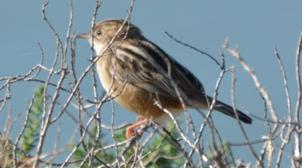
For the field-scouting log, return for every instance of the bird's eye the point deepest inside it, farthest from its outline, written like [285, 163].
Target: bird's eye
[98, 33]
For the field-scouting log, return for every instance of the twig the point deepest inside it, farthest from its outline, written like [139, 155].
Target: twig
[195, 49]
[298, 132]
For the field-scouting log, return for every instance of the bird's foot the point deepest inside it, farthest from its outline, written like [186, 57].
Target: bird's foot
[136, 128]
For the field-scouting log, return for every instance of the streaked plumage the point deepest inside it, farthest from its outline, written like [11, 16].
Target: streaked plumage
[138, 72]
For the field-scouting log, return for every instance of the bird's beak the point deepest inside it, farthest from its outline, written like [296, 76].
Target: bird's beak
[85, 36]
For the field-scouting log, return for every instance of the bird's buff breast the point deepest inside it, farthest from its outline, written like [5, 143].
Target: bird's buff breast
[123, 93]
[131, 97]
[104, 72]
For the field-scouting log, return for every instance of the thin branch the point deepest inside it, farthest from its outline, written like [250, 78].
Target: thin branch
[195, 49]
[297, 149]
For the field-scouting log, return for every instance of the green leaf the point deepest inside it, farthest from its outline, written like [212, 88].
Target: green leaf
[31, 132]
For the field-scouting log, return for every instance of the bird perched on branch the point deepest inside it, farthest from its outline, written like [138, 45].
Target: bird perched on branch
[145, 79]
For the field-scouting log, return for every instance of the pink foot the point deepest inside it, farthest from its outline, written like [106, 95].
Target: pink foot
[130, 132]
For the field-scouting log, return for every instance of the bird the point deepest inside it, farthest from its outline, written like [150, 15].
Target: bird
[139, 75]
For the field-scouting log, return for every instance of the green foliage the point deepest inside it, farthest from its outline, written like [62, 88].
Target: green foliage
[31, 132]
[81, 153]
[87, 145]
[160, 152]
[29, 137]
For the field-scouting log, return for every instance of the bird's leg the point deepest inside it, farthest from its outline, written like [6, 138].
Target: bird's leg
[130, 132]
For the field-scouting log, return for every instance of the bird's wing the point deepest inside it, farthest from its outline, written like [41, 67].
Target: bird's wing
[145, 65]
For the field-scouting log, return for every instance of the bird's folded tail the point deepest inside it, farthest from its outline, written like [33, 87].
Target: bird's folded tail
[228, 110]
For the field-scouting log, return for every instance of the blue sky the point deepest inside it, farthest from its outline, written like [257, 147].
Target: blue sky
[257, 27]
